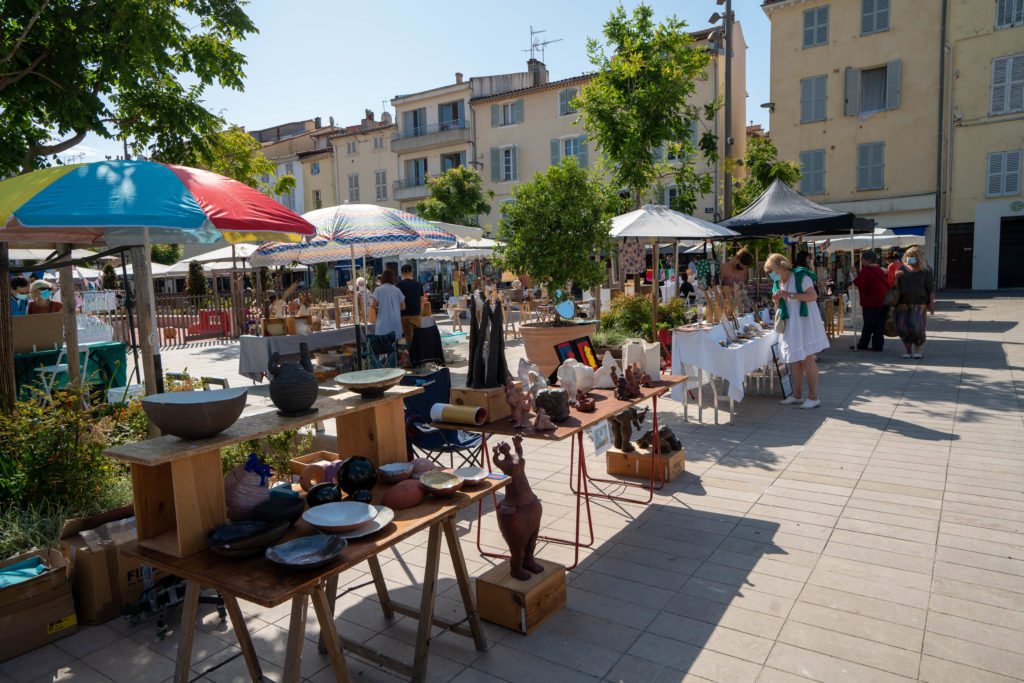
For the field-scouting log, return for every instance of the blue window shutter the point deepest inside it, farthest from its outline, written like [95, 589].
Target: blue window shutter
[563, 102]
[515, 159]
[810, 21]
[582, 155]
[806, 100]
[881, 15]
[852, 92]
[462, 158]
[994, 175]
[867, 16]
[462, 112]
[863, 166]
[821, 29]
[517, 111]
[877, 165]
[495, 164]
[1011, 172]
[556, 155]
[1000, 84]
[568, 100]
[805, 172]
[892, 84]
[495, 115]
[820, 98]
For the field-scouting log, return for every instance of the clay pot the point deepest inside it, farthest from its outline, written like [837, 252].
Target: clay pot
[356, 474]
[293, 385]
[323, 493]
[242, 493]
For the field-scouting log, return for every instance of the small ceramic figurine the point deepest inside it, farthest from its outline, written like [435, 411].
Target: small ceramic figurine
[536, 381]
[622, 426]
[586, 379]
[584, 403]
[520, 402]
[622, 389]
[543, 423]
[631, 384]
[519, 512]
[668, 439]
[645, 379]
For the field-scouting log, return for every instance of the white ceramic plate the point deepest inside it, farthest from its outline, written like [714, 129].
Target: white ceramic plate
[383, 518]
[472, 475]
[335, 517]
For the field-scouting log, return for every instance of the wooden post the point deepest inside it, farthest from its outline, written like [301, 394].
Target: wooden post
[67, 291]
[144, 315]
[654, 288]
[8, 385]
[675, 268]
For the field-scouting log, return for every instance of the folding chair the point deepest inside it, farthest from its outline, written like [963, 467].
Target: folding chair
[429, 441]
[48, 375]
[425, 346]
[382, 350]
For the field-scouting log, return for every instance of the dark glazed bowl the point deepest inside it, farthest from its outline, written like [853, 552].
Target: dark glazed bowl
[245, 539]
[356, 474]
[279, 509]
[195, 414]
[323, 493]
[308, 552]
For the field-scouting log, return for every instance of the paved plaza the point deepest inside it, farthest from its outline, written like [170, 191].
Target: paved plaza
[879, 537]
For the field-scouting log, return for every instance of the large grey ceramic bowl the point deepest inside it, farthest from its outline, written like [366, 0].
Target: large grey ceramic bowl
[308, 552]
[195, 414]
[370, 382]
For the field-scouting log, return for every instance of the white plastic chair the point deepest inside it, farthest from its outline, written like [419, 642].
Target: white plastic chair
[48, 375]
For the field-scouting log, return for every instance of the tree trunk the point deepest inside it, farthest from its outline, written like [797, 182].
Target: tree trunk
[67, 300]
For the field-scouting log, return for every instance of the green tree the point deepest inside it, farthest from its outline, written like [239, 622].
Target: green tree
[456, 196]
[110, 277]
[195, 283]
[322, 275]
[763, 168]
[165, 254]
[638, 104]
[132, 70]
[238, 155]
[556, 225]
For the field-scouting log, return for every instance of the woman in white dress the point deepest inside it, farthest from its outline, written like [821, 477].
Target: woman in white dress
[793, 292]
[389, 302]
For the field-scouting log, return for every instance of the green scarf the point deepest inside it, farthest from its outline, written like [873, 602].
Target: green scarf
[797, 272]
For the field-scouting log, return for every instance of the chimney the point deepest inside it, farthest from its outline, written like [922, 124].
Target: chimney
[367, 121]
[316, 122]
[458, 77]
[538, 72]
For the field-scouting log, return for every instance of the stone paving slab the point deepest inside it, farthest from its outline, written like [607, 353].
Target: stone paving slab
[880, 537]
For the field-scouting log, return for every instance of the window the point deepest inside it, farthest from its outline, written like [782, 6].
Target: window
[507, 113]
[670, 195]
[315, 168]
[575, 146]
[872, 90]
[565, 98]
[816, 26]
[415, 172]
[415, 122]
[450, 115]
[1009, 13]
[871, 166]
[453, 160]
[1003, 178]
[570, 147]
[813, 98]
[316, 198]
[380, 182]
[504, 163]
[378, 142]
[812, 168]
[502, 206]
[874, 16]
[1007, 92]
[351, 147]
[353, 188]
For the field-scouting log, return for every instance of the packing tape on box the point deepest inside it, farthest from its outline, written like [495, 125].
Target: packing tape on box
[463, 415]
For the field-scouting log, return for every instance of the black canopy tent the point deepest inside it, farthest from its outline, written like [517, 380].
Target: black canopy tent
[781, 211]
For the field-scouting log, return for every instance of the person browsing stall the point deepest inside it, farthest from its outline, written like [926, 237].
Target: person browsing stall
[917, 298]
[734, 271]
[389, 302]
[895, 263]
[40, 293]
[873, 283]
[412, 311]
[19, 296]
[804, 334]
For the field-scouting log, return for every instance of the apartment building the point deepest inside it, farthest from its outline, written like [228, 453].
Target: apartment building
[283, 144]
[363, 163]
[983, 140]
[854, 98]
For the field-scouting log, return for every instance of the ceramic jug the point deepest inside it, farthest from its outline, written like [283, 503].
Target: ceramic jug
[293, 386]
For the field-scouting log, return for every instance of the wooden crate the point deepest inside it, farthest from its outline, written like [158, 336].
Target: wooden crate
[492, 400]
[296, 465]
[638, 463]
[520, 605]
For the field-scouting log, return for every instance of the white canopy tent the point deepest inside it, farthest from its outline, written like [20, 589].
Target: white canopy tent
[42, 254]
[466, 250]
[463, 232]
[881, 239]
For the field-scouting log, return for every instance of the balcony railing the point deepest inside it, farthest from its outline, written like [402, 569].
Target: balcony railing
[418, 131]
[408, 182]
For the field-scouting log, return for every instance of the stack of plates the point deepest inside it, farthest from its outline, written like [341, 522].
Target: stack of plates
[349, 519]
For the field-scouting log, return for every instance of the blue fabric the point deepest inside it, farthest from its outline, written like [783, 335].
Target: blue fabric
[21, 571]
[18, 306]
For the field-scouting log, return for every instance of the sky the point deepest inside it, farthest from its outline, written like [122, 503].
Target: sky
[329, 58]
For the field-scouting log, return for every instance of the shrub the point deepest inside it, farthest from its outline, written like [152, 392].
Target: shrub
[630, 316]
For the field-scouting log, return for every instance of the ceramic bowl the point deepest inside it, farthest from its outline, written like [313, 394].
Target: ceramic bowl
[323, 493]
[308, 552]
[195, 414]
[369, 383]
[384, 517]
[334, 517]
[395, 472]
[279, 509]
[441, 483]
[245, 539]
[472, 475]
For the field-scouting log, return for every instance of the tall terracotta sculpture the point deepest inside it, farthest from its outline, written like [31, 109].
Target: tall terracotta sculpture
[518, 512]
[520, 401]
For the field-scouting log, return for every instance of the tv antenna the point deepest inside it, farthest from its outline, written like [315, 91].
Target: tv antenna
[537, 44]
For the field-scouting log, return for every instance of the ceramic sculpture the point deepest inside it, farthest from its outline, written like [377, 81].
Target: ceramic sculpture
[520, 401]
[531, 377]
[586, 378]
[555, 403]
[622, 425]
[647, 354]
[631, 383]
[584, 403]
[356, 474]
[543, 423]
[245, 487]
[604, 373]
[567, 377]
[666, 436]
[293, 386]
[519, 512]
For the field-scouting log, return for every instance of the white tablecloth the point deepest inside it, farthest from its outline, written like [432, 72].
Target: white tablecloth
[254, 352]
[668, 291]
[700, 349]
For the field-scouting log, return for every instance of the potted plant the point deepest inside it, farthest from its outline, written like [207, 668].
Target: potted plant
[554, 231]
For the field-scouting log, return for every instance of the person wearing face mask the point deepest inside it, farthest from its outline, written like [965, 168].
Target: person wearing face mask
[39, 294]
[917, 299]
[794, 294]
[19, 296]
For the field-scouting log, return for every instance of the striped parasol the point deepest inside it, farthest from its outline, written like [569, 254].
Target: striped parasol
[435, 235]
[351, 231]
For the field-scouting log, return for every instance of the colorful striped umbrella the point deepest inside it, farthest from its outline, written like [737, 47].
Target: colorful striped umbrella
[429, 231]
[346, 232]
[113, 201]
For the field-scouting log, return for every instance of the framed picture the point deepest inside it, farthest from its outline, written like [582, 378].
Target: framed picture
[565, 350]
[585, 352]
[601, 435]
[785, 380]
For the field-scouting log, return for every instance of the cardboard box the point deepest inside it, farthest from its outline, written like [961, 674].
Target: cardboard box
[492, 400]
[638, 464]
[104, 581]
[38, 611]
[521, 605]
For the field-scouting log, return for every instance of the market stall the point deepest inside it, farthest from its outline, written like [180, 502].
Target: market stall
[104, 365]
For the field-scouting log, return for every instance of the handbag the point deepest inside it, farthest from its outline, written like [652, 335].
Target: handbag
[892, 295]
[780, 321]
[890, 325]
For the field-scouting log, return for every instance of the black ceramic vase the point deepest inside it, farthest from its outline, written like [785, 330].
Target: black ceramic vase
[293, 386]
[356, 474]
[323, 493]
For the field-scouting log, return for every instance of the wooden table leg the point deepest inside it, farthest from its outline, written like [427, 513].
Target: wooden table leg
[331, 589]
[382, 589]
[296, 638]
[419, 662]
[325, 615]
[189, 611]
[462, 576]
[242, 634]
